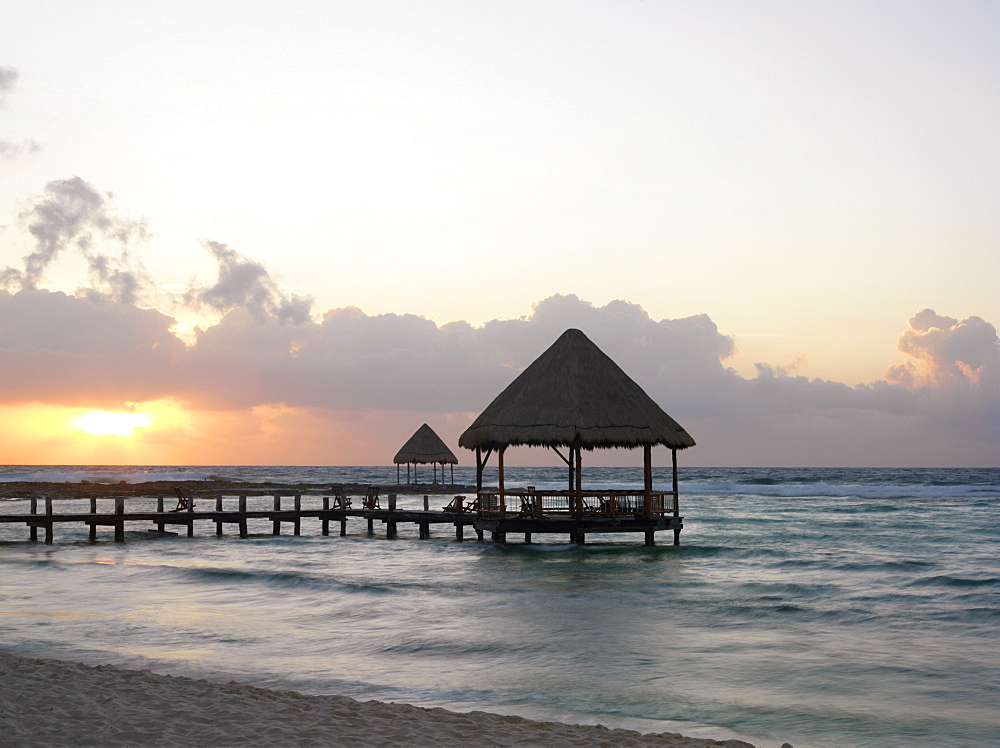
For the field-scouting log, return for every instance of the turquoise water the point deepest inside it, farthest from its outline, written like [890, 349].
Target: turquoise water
[818, 606]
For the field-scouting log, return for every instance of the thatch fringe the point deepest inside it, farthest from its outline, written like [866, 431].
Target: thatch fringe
[574, 394]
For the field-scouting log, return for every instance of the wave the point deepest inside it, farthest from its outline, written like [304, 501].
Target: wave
[948, 580]
[89, 476]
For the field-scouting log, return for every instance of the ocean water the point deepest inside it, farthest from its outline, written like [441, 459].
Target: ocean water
[824, 607]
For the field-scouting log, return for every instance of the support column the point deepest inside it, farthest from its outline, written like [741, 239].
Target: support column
[503, 500]
[579, 482]
[190, 521]
[93, 510]
[325, 524]
[298, 515]
[119, 519]
[33, 530]
[647, 481]
[343, 526]
[218, 524]
[276, 523]
[48, 526]
[459, 532]
[243, 517]
[677, 536]
[649, 538]
[160, 526]
[527, 538]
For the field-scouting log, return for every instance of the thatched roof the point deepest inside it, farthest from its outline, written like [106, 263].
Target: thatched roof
[574, 394]
[424, 447]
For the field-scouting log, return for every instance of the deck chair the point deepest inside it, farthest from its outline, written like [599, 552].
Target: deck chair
[455, 505]
[371, 498]
[472, 505]
[340, 498]
[184, 502]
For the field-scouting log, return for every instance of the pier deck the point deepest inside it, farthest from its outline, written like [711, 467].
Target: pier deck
[498, 526]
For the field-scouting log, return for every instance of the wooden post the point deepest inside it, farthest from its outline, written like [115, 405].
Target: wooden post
[459, 532]
[48, 527]
[527, 538]
[371, 526]
[579, 482]
[499, 537]
[453, 473]
[93, 525]
[298, 516]
[218, 523]
[479, 534]
[581, 537]
[276, 523]
[119, 519]
[325, 524]
[425, 530]
[407, 473]
[677, 536]
[390, 529]
[677, 506]
[397, 473]
[649, 538]
[479, 470]
[503, 501]
[435, 467]
[33, 530]
[343, 525]
[160, 526]
[243, 517]
[427, 503]
[647, 480]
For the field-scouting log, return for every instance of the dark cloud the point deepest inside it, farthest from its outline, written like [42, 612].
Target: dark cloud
[70, 216]
[246, 284]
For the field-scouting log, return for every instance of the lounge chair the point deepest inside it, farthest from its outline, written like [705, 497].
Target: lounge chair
[184, 502]
[340, 499]
[371, 498]
[455, 505]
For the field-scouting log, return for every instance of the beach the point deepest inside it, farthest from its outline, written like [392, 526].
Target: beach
[52, 703]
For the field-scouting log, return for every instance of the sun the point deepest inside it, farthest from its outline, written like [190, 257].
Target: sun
[103, 423]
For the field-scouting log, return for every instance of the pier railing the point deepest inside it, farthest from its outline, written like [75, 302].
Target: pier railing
[613, 504]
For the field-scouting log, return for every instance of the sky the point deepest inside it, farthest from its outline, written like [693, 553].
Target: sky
[291, 233]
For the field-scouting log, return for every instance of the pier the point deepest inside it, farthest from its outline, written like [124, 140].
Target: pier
[531, 513]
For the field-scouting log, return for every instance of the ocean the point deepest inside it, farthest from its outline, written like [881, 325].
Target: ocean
[823, 607]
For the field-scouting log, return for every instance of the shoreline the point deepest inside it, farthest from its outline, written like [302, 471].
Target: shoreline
[47, 702]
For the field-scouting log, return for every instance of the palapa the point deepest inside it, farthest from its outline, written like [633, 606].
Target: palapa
[425, 447]
[574, 395]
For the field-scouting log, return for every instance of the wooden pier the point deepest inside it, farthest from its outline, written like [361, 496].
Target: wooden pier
[290, 511]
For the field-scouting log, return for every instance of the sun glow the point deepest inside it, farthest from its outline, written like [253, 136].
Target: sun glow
[103, 423]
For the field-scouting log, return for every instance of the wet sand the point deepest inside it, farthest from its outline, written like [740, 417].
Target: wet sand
[53, 703]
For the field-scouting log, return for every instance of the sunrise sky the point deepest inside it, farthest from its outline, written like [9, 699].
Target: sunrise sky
[290, 233]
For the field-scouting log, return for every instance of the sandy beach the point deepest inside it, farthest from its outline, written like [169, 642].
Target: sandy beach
[52, 703]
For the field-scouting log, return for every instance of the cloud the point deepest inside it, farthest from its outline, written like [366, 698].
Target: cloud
[69, 216]
[948, 353]
[8, 79]
[61, 349]
[8, 149]
[246, 284]
[268, 360]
